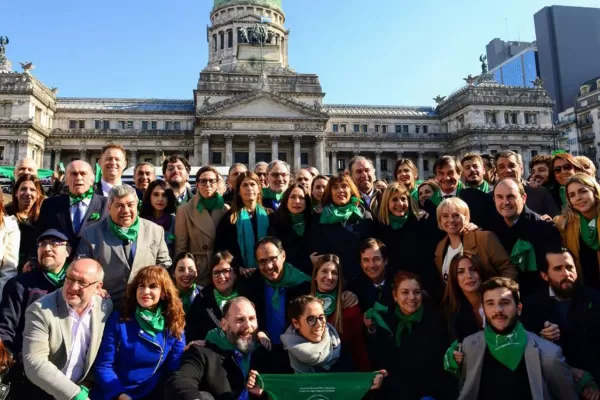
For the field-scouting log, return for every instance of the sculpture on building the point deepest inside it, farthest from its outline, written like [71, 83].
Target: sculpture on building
[538, 83]
[469, 79]
[484, 67]
[270, 37]
[206, 103]
[243, 35]
[317, 105]
[3, 42]
[27, 66]
[438, 99]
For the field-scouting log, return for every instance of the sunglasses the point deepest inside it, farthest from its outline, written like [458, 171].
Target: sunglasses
[311, 320]
[564, 167]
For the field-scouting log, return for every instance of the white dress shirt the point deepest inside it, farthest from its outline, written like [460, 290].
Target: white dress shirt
[106, 187]
[80, 343]
[83, 204]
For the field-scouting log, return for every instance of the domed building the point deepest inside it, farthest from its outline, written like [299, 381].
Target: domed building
[250, 105]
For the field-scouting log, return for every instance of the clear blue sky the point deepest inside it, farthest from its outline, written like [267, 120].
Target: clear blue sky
[395, 52]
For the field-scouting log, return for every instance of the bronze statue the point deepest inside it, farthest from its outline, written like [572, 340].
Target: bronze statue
[438, 99]
[469, 79]
[538, 83]
[3, 42]
[484, 67]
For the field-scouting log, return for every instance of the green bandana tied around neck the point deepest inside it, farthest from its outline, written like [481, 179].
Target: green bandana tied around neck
[298, 224]
[333, 214]
[221, 300]
[450, 364]
[186, 297]
[376, 314]
[330, 386]
[589, 232]
[484, 187]
[245, 233]
[151, 322]
[436, 197]
[292, 276]
[523, 256]
[398, 222]
[58, 279]
[562, 192]
[214, 203]
[268, 194]
[507, 349]
[217, 337]
[406, 321]
[74, 199]
[126, 234]
[329, 300]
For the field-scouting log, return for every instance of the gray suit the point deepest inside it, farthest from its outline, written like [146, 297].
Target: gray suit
[47, 343]
[549, 375]
[99, 243]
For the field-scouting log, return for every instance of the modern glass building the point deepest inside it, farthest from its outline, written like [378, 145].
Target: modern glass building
[520, 70]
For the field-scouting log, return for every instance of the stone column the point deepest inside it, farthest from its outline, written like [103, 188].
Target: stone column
[378, 164]
[228, 150]
[334, 164]
[57, 157]
[10, 151]
[158, 158]
[22, 150]
[297, 156]
[420, 165]
[274, 147]
[205, 150]
[197, 152]
[47, 159]
[526, 155]
[134, 158]
[319, 154]
[251, 152]
[83, 154]
[521, 118]
[399, 155]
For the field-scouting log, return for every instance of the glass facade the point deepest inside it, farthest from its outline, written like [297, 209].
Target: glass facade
[520, 71]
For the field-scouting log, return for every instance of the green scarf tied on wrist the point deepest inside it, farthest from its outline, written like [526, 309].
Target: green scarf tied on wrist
[333, 214]
[245, 233]
[221, 300]
[398, 222]
[484, 187]
[523, 256]
[268, 194]
[74, 199]
[217, 337]
[151, 322]
[329, 301]
[376, 314]
[589, 232]
[186, 297]
[292, 276]
[83, 393]
[298, 224]
[126, 234]
[450, 364]
[562, 192]
[58, 278]
[214, 203]
[436, 197]
[406, 321]
[507, 349]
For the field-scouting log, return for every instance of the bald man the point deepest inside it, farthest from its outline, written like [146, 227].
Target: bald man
[25, 166]
[81, 207]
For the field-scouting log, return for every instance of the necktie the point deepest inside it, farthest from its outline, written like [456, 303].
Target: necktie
[379, 292]
[77, 218]
[447, 196]
[127, 250]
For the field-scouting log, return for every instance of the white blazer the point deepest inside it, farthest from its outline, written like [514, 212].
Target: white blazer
[10, 239]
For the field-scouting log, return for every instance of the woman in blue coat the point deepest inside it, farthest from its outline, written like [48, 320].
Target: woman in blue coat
[143, 343]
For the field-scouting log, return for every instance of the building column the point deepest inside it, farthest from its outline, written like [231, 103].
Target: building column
[134, 158]
[378, 164]
[334, 163]
[83, 154]
[22, 150]
[228, 150]
[197, 152]
[9, 154]
[526, 156]
[399, 155]
[297, 156]
[205, 150]
[47, 159]
[158, 157]
[420, 165]
[319, 154]
[274, 147]
[521, 118]
[57, 157]
[251, 152]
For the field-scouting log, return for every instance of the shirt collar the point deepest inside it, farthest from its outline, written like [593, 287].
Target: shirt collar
[452, 193]
[87, 310]
[380, 284]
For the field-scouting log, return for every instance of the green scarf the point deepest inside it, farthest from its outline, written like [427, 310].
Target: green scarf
[268, 194]
[484, 187]
[333, 214]
[436, 197]
[589, 232]
[151, 322]
[398, 222]
[98, 175]
[406, 321]
[130, 234]
[58, 278]
[507, 349]
[376, 314]
[318, 386]
[214, 203]
[292, 276]
[245, 233]
[83, 393]
[221, 300]
[298, 224]
[74, 199]
[523, 256]
[186, 297]
[329, 300]
[562, 192]
[217, 337]
[450, 364]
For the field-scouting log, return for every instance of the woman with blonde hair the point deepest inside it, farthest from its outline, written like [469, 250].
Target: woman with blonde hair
[578, 226]
[588, 165]
[564, 166]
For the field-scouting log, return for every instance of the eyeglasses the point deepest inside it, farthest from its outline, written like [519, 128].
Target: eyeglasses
[564, 167]
[259, 174]
[302, 179]
[266, 261]
[279, 174]
[224, 272]
[205, 182]
[81, 284]
[53, 244]
[311, 320]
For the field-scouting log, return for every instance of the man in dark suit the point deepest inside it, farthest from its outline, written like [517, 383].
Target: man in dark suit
[71, 213]
[373, 284]
[362, 173]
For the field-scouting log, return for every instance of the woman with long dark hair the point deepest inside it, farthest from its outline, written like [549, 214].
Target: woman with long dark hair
[184, 273]
[159, 206]
[317, 189]
[564, 166]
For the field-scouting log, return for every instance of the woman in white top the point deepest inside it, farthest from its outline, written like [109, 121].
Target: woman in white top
[10, 237]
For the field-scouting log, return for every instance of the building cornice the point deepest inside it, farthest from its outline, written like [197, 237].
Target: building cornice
[116, 134]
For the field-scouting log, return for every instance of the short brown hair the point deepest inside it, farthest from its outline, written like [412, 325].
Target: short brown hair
[174, 159]
[402, 276]
[444, 161]
[470, 157]
[112, 146]
[206, 168]
[501, 282]
[372, 243]
[327, 196]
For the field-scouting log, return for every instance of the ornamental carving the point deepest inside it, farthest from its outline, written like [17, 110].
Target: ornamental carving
[258, 126]
[217, 125]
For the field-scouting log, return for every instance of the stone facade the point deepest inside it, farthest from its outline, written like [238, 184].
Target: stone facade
[245, 110]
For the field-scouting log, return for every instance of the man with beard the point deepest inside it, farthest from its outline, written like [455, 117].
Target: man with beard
[278, 177]
[362, 173]
[19, 292]
[81, 207]
[112, 163]
[568, 314]
[143, 175]
[62, 335]
[220, 369]
[506, 361]
[176, 170]
[539, 199]
[540, 166]
[234, 171]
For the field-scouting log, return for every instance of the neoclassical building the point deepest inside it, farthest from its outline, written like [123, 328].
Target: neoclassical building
[249, 105]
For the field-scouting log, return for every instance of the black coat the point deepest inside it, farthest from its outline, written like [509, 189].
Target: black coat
[542, 201]
[367, 294]
[481, 205]
[416, 368]
[463, 323]
[56, 214]
[343, 241]
[210, 370]
[297, 251]
[98, 188]
[580, 336]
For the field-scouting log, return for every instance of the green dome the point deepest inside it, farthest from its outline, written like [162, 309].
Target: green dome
[266, 3]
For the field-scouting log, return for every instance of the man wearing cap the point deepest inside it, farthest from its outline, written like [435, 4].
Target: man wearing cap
[26, 288]
[80, 208]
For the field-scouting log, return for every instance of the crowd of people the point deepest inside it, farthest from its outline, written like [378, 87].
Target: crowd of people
[475, 283]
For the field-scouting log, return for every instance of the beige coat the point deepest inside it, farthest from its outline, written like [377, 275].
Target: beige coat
[195, 233]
